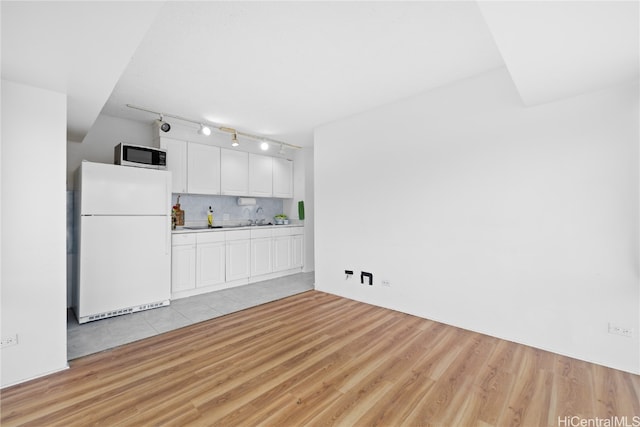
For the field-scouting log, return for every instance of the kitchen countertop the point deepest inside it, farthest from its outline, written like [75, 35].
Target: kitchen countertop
[200, 229]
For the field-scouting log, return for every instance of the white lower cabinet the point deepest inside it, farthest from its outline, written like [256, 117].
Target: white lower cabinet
[297, 251]
[183, 262]
[281, 249]
[281, 253]
[261, 250]
[288, 248]
[210, 259]
[238, 255]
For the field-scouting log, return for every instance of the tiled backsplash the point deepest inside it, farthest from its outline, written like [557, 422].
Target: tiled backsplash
[225, 208]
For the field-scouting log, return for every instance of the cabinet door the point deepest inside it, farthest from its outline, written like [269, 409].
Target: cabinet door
[203, 171]
[297, 251]
[281, 253]
[210, 264]
[260, 256]
[260, 175]
[176, 163]
[238, 255]
[282, 178]
[234, 172]
[183, 268]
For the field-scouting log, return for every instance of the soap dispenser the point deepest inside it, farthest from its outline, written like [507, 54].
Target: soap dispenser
[210, 218]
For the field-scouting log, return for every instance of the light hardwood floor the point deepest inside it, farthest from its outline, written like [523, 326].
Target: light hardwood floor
[316, 359]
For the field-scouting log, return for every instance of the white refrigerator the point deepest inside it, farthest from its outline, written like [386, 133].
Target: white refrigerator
[123, 220]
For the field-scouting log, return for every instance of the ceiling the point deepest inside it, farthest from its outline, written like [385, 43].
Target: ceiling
[280, 69]
[60, 46]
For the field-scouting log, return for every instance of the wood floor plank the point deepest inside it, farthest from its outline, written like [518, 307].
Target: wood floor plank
[415, 381]
[495, 383]
[455, 383]
[318, 359]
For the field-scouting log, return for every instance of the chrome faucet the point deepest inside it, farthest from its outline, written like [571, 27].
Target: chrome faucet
[261, 220]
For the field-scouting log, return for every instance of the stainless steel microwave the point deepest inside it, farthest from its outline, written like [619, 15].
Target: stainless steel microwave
[140, 156]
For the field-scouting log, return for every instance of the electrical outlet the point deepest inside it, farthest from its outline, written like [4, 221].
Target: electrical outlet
[386, 283]
[620, 330]
[9, 341]
[364, 274]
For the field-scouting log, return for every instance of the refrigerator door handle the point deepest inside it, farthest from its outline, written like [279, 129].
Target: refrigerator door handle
[167, 240]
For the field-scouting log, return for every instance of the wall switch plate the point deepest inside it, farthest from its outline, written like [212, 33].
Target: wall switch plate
[620, 330]
[9, 341]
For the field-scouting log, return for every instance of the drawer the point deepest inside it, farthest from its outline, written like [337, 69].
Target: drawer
[238, 235]
[261, 233]
[183, 239]
[297, 230]
[210, 237]
[286, 231]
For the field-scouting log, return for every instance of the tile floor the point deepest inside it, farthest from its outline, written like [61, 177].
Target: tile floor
[103, 334]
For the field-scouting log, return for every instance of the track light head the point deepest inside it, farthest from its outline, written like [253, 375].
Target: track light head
[234, 140]
[164, 126]
[204, 130]
[264, 146]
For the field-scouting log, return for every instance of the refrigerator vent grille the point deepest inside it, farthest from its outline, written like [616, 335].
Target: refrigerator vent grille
[125, 311]
[111, 314]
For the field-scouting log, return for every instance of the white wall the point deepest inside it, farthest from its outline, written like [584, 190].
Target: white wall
[104, 135]
[33, 288]
[521, 223]
[309, 210]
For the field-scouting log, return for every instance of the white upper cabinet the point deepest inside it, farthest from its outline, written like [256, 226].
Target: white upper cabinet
[206, 169]
[282, 178]
[176, 163]
[234, 172]
[203, 171]
[260, 175]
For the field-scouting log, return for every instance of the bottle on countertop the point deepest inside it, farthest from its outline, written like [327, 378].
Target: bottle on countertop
[178, 213]
[210, 218]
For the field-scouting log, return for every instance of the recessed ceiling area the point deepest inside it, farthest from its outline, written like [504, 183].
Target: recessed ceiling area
[560, 49]
[77, 48]
[280, 69]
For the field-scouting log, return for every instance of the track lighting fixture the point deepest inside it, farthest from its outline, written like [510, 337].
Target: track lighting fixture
[164, 126]
[204, 130]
